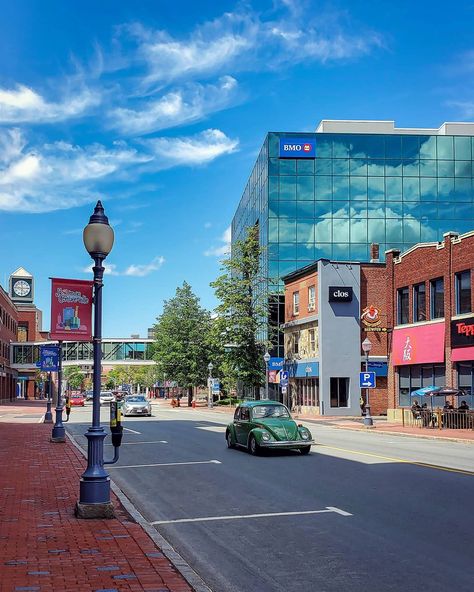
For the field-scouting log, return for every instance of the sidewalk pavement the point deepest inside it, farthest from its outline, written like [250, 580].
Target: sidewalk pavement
[43, 547]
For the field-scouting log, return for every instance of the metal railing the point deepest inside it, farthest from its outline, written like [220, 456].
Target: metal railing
[438, 419]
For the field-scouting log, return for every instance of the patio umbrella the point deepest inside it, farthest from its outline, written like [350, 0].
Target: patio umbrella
[427, 390]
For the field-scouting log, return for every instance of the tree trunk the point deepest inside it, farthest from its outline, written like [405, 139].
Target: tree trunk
[190, 396]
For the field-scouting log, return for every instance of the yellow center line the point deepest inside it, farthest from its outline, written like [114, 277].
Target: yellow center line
[400, 460]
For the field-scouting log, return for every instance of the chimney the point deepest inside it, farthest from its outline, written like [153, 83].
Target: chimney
[374, 253]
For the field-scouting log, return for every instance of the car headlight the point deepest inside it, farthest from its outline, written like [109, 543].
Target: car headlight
[266, 436]
[305, 434]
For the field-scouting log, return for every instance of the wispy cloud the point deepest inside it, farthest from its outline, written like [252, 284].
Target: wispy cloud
[199, 149]
[183, 105]
[24, 105]
[134, 270]
[223, 249]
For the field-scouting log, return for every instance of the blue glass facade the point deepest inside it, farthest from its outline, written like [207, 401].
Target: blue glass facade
[392, 189]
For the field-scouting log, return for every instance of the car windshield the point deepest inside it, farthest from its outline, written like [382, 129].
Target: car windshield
[76, 396]
[261, 411]
[105, 394]
[135, 400]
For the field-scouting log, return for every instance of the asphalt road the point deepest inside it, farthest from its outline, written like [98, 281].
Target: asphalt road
[362, 512]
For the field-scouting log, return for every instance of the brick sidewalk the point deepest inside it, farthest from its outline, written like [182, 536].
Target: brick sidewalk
[43, 547]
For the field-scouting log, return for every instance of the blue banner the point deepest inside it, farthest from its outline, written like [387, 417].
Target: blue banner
[275, 364]
[297, 148]
[380, 368]
[307, 369]
[49, 358]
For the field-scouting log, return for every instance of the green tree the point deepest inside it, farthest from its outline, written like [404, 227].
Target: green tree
[74, 377]
[240, 332]
[182, 340]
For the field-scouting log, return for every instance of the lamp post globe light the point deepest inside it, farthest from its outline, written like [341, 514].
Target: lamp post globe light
[266, 358]
[366, 347]
[94, 490]
[210, 402]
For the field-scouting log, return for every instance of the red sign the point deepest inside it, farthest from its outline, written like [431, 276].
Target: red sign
[71, 310]
[418, 345]
[462, 354]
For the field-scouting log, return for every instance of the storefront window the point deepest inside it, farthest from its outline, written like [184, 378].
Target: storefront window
[402, 294]
[339, 388]
[463, 292]
[466, 381]
[419, 303]
[411, 378]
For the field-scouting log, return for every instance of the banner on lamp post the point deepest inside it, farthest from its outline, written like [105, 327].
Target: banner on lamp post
[71, 310]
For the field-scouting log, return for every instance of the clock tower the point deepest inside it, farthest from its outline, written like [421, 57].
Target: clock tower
[21, 286]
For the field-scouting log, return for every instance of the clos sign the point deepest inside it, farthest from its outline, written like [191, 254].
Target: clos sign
[340, 294]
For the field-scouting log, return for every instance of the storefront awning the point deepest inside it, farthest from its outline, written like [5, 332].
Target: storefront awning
[423, 344]
[307, 369]
[462, 354]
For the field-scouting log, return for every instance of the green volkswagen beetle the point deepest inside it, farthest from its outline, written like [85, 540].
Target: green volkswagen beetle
[260, 425]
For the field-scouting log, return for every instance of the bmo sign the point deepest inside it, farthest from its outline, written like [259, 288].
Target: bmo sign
[340, 294]
[297, 148]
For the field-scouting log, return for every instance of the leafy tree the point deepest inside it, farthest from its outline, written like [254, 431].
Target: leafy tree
[242, 315]
[182, 340]
[74, 376]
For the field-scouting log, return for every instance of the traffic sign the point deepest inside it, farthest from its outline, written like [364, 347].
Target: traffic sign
[367, 379]
[284, 375]
[283, 390]
[216, 387]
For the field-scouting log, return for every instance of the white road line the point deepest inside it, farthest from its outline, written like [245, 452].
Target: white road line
[134, 443]
[196, 462]
[329, 509]
[41, 419]
[212, 428]
[133, 431]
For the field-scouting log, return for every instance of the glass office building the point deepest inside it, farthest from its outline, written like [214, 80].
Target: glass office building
[353, 183]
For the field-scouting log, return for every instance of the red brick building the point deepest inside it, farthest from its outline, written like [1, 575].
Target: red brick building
[431, 310]
[8, 333]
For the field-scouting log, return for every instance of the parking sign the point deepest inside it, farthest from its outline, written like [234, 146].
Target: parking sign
[367, 380]
[284, 375]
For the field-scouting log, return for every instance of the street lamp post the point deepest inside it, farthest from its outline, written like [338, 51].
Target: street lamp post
[94, 492]
[59, 433]
[367, 346]
[48, 416]
[266, 358]
[210, 402]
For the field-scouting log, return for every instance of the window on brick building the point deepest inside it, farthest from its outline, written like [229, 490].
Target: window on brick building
[419, 303]
[437, 298]
[296, 303]
[312, 341]
[463, 292]
[402, 306]
[311, 297]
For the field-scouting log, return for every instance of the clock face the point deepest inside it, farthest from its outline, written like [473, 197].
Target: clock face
[21, 288]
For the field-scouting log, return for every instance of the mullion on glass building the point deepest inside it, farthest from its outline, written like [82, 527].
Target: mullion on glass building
[331, 193]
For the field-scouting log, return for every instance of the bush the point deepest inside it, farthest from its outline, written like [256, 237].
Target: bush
[228, 402]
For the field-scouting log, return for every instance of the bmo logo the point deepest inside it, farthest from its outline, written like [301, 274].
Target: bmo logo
[297, 148]
[340, 294]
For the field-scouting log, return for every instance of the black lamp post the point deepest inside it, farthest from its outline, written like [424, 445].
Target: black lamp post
[266, 359]
[59, 432]
[94, 492]
[210, 401]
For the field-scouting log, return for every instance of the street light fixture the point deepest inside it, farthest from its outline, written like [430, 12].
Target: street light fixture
[366, 347]
[94, 492]
[266, 358]
[210, 402]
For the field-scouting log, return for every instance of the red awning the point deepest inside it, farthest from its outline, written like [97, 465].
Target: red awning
[423, 344]
[461, 354]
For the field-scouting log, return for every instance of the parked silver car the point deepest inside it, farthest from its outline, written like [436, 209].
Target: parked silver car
[136, 405]
[106, 397]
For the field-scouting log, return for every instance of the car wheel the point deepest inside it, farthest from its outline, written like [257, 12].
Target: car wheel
[254, 448]
[305, 450]
[228, 438]
[149, 415]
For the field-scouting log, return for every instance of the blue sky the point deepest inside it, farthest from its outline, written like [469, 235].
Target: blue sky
[160, 107]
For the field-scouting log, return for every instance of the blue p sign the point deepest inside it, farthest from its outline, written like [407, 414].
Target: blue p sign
[367, 380]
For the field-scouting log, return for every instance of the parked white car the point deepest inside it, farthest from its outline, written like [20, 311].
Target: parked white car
[136, 405]
[106, 397]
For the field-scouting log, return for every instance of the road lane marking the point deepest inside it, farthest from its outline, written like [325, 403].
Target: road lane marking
[133, 431]
[327, 510]
[196, 462]
[401, 460]
[134, 443]
[212, 428]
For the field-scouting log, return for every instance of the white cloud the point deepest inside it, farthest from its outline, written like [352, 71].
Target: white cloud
[177, 107]
[221, 250]
[56, 176]
[22, 104]
[132, 270]
[199, 149]
[143, 270]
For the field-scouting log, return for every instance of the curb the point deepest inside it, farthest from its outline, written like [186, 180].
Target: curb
[180, 564]
[402, 435]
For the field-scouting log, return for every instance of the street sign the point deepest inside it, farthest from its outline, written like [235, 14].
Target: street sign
[284, 375]
[49, 357]
[216, 387]
[284, 390]
[367, 379]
